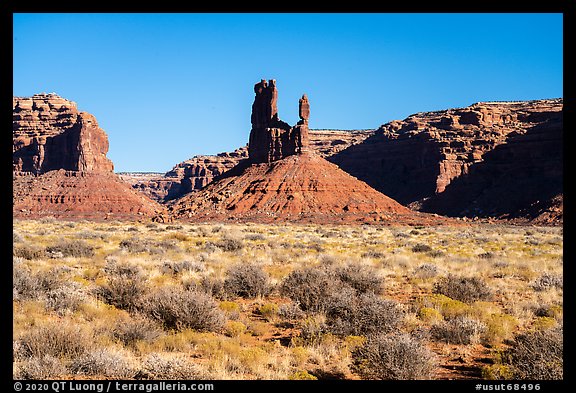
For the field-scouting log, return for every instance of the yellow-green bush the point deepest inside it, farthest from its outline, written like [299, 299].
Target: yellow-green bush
[302, 375]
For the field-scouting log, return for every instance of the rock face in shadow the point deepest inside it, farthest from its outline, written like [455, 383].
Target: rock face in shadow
[60, 166]
[286, 181]
[482, 151]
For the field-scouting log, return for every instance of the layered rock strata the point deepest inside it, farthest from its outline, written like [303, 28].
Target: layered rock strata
[60, 166]
[283, 180]
[481, 150]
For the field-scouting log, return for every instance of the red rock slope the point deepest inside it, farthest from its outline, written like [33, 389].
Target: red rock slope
[284, 180]
[60, 166]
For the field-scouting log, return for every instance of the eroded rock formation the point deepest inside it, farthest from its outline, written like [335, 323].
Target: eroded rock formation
[60, 166]
[271, 139]
[283, 180]
[425, 158]
[50, 133]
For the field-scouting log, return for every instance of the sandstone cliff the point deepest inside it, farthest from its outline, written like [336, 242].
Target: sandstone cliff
[492, 159]
[60, 166]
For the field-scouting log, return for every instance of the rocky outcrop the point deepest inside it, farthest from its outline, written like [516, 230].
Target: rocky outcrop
[197, 172]
[60, 166]
[49, 133]
[482, 151]
[300, 186]
[271, 139]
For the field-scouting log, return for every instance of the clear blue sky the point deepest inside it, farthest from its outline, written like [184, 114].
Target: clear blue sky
[166, 87]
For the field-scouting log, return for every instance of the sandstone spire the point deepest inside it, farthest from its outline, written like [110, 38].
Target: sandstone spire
[271, 139]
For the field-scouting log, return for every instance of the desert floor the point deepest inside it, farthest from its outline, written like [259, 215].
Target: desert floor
[118, 300]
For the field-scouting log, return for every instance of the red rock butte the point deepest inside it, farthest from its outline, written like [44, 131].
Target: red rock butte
[283, 180]
[60, 166]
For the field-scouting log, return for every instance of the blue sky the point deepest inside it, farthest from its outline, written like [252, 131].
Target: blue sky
[166, 87]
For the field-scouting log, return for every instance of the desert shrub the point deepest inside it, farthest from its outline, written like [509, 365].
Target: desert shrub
[537, 355]
[103, 362]
[461, 330]
[229, 244]
[55, 338]
[234, 328]
[124, 287]
[426, 270]
[310, 287]
[173, 267]
[29, 285]
[395, 356]
[247, 281]
[43, 367]
[72, 248]
[67, 298]
[174, 227]
[464, 289]
[269, 311]
[547, 281]
[362, 278]
[162, 366]
[16, 237]
[290, 312]
[214, 286]
[302, 375]
[178, 309]
[135, 245]
[254, 237]
[421, 248]
[349, 313]
[138, 328]
[28, 251]
[373, 254]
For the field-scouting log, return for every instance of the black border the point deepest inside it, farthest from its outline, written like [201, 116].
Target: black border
[566, 7]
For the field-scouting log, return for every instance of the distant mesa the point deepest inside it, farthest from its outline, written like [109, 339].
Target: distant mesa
[282, 179]
[489, 160]
[60, 166]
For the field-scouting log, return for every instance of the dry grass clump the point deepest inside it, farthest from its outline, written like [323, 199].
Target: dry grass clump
[393, 356]
[28, 251]
[460, 330]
